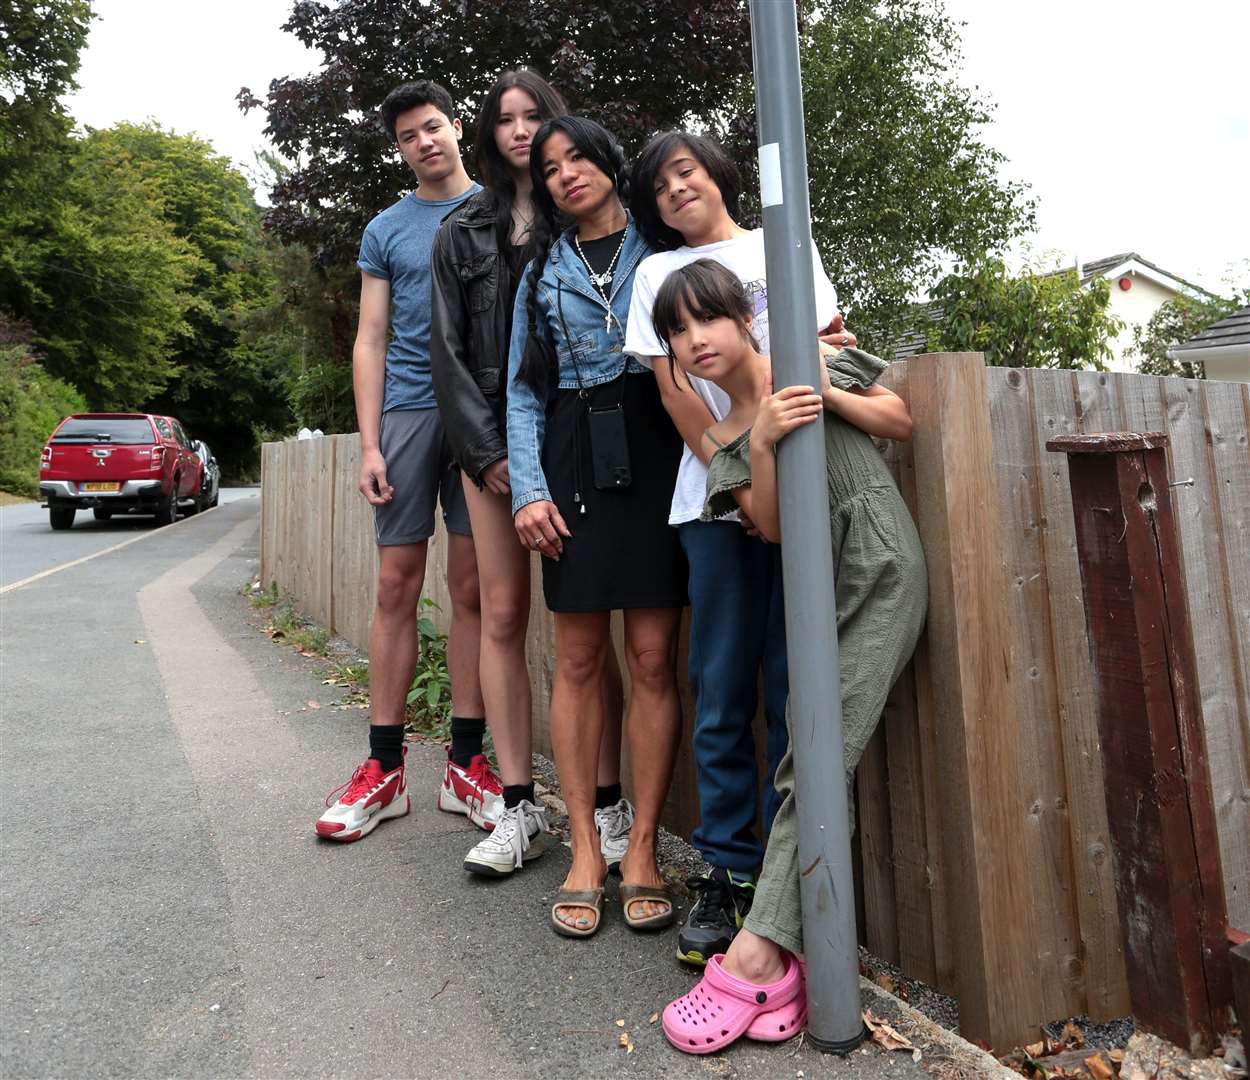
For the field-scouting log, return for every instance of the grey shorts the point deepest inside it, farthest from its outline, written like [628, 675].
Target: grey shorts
[420, 469]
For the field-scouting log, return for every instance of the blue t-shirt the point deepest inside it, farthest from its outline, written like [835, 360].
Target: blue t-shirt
[396, 246]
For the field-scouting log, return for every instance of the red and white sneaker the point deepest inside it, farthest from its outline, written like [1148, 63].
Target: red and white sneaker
[475, 792]
[369, 797]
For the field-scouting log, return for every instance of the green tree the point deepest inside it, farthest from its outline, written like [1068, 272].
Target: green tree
[1030, 320]
[107, 286]
[31, 403]
[40, 43]
[901, 182]
[220, 387]
[1179, 320]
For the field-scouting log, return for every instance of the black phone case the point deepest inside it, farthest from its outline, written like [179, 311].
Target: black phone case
[609, 448]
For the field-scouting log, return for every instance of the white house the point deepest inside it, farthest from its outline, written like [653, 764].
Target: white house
[1223, 348]
[1138, 290]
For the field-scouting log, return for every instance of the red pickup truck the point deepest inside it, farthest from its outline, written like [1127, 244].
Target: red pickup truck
[118, 463]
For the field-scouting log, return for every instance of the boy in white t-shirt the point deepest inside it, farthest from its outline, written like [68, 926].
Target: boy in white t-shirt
[685, 193]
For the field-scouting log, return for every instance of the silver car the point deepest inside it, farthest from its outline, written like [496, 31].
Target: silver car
[210, 489]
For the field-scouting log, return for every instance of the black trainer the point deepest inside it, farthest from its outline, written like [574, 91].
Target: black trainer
[716, 916]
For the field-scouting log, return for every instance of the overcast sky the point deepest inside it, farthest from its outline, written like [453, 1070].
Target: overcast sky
[1130, 121]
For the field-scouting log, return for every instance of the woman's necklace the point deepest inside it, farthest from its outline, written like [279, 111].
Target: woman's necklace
[521, 225]
[604, 279]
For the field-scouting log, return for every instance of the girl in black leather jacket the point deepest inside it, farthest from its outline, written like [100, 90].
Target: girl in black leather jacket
[479, 255]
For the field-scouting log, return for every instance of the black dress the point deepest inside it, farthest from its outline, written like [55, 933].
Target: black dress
[623, 553]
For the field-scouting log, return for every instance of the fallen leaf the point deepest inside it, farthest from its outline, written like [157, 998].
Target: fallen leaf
[312, 704]
[886, 982]
[653, 1018]
[620, 1023]
[1036, 1049]
[141, 641]
[623, 1038]
[329, 682]
[1098, 1068]
[629, 1048]
[1071, 1036]
[884, 1035]
[1116, 1056]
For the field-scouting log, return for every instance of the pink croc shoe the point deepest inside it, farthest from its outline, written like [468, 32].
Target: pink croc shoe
[721, 1008]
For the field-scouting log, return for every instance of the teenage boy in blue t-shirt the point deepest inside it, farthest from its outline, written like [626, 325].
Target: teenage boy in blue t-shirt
[405, 468]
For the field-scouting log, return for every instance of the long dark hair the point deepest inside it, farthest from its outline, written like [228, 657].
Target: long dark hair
[707, 289]
[491, 167]
[600, 148]
[708, 153]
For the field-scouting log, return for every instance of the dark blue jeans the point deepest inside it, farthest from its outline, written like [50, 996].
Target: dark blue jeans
[737, 628]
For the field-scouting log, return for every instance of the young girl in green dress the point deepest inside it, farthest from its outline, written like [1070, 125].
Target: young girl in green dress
[703, 314]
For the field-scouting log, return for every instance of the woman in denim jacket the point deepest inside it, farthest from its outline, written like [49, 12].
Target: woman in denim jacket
[480, 254]
[592, 460]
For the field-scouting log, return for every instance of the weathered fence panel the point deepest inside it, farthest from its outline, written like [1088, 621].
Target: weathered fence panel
[985, 849]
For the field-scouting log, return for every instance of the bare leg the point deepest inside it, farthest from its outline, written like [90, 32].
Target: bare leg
[754, 958]
[504, 572]
[613, 712]
[393, 636]
[464, 637]
[654, 727]
[582, 641]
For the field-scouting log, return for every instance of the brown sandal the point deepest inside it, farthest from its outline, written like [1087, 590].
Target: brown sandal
[579, 898]
[657, 894]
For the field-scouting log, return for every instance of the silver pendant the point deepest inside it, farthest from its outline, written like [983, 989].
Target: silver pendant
[602, 279]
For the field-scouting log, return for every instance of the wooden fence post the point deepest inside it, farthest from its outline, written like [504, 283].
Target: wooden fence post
[1158, 789]
[988, 927]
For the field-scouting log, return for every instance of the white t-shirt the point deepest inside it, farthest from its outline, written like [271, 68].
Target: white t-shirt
[744, 255]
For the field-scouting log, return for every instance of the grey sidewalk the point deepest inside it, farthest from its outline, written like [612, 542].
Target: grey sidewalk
[168, 911]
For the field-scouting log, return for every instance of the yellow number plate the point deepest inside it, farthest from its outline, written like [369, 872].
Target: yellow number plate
[114, 486]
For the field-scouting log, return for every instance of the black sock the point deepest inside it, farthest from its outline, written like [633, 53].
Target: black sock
[514, 793]
[466, 739]
[386, 744]
[607, 795]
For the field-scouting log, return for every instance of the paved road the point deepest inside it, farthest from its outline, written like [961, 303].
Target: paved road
[28, 545]
[165, 909]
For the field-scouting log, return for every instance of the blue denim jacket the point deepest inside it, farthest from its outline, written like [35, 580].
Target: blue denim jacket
[597, 344]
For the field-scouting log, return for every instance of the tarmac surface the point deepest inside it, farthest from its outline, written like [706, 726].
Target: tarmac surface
[165, 909]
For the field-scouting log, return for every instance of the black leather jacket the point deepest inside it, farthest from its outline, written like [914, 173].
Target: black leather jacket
[471, 322]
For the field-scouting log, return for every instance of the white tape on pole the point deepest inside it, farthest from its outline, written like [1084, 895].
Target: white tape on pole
[770, 175]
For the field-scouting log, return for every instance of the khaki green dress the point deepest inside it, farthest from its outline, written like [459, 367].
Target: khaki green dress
[882, 593]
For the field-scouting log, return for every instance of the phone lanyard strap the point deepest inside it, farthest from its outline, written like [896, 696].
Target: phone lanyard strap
[582, 390]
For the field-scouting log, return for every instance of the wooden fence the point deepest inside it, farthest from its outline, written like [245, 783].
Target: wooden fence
[984, 850]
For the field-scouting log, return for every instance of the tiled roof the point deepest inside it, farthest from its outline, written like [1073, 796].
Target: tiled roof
[1235, 330]
[1094, 268]
[912, 343]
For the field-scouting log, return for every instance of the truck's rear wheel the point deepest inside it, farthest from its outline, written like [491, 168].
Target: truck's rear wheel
[167, 510]
[61, 517]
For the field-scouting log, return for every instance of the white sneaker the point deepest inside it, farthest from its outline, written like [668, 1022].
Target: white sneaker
[518, 837]
[614, 823]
